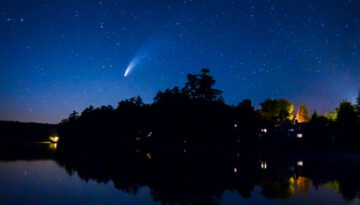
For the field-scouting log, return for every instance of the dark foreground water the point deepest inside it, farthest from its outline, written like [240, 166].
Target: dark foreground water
[39, 177]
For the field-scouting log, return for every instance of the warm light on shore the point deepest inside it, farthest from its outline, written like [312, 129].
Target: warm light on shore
[300, 163]
[54, 139]
[148, 155]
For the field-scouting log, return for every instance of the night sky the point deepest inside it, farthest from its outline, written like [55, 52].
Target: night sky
[59, 56]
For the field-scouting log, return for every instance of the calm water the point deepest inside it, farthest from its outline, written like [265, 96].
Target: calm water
[43, 178]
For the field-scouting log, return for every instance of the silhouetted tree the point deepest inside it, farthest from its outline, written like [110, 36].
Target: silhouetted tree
[346, 114]
[200, 87]
[172, 109]
[246, 120]
[276, 112]
[132, 102]
[314, 115]
[87, 110]
[170, 96]
[73, 116]
[319, 131]
[346, 122]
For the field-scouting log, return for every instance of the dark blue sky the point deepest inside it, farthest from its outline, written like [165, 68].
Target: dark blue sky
[59, 56]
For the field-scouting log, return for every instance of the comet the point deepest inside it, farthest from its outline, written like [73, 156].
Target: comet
[130, 67]
[145, 52]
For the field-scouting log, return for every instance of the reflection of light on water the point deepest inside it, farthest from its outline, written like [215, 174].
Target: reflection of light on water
[300, 163]
[334, 185]
[303, 184]
[292, 180]
[52, 145]
[235, 170]
[299, 135]
[53, 142]
[263, 164]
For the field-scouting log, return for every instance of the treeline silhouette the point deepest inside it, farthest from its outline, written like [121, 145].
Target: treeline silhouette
[197, 115]
[21, 131]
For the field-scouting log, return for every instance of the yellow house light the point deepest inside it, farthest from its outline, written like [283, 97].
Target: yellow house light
[54, 139]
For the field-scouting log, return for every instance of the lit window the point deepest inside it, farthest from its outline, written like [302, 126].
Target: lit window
[300, 163]
[263, 164]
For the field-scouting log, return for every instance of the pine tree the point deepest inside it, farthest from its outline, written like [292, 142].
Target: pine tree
[302, 114]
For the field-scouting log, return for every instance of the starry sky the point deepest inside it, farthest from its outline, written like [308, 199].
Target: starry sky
[60, 56]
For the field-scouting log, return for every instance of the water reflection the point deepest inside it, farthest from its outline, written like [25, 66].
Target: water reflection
[263, 164]
[303, 184]
[52, 146]
[205, 177]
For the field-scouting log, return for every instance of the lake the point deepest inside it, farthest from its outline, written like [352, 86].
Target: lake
[35, 174]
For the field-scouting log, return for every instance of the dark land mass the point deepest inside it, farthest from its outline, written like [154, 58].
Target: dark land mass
[12, 131]
[197, 116]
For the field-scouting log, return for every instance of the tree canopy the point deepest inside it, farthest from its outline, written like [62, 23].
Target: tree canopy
[346, 114]
[276, 111]
[200, 86]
